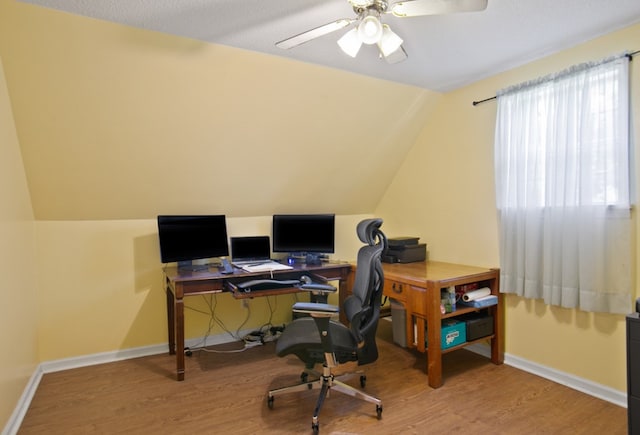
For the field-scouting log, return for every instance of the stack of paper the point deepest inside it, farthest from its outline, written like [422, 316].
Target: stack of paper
[266, 267]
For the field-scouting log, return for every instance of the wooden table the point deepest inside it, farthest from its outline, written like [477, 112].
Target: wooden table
[180, 284]
[417, 287]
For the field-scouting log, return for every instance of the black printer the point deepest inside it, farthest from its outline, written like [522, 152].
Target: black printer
[404, 250]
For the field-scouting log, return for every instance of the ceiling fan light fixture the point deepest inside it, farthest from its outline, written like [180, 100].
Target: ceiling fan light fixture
[350, 42]
[389, 42]
[370, 30]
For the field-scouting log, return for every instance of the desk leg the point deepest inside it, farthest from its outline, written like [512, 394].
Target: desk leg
[179, 349]
[175, 322]
[171, 322]
[434, 357]
[497, 342]
[434, 328]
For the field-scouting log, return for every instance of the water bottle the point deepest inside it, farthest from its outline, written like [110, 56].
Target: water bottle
[451, 296]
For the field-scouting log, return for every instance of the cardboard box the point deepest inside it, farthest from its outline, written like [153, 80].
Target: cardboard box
[453, 333]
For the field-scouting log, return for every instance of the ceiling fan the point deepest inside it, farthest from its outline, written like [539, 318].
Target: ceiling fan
[370, 30]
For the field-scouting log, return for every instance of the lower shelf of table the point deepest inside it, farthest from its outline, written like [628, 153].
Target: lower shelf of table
[466, 343]
[459, 346]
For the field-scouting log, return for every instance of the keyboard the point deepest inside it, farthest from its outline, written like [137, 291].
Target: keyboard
[266, 284]
[266, 267]
[242, 263]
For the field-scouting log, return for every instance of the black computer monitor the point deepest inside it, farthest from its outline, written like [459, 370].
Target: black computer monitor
[186, 238]
[304, 234]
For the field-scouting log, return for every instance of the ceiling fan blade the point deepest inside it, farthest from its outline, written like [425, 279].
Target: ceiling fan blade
[416, 8]
[307, 36]
[361, 3]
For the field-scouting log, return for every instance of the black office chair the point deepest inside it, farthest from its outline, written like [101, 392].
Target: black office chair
[318, 339]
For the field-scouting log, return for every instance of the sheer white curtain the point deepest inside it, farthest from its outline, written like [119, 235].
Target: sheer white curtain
[562, 185]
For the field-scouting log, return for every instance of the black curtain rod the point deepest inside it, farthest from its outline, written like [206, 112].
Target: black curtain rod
[475, 103]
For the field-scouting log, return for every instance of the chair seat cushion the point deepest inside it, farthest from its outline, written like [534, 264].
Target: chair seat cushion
[301, 338]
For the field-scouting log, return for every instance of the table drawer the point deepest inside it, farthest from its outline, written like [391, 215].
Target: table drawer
[395, 290]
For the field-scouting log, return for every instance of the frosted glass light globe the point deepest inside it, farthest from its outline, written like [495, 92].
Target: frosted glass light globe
[370, 30]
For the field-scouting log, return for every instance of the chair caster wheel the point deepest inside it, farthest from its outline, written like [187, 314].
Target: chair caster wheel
[187, 351]
[363, 381]
[379, 411]
[315, 428]
[270, 402]
[304, 376]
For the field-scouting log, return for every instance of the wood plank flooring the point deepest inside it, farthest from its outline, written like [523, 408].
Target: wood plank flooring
[225, 393]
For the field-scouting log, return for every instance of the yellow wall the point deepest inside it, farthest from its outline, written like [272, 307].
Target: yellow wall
[444, 193]
[118, 124]
[100, 167]
[106, 276]
[19, 306]
[133, 123]
[108, 136]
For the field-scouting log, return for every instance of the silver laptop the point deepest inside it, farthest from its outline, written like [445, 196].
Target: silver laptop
[252, 250]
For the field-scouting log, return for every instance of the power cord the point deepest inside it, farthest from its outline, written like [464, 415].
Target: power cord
[265, 334]
[212, 303]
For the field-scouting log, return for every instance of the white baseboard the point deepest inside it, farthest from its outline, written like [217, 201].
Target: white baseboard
[12, 426]
[588, 387]
[119, 355]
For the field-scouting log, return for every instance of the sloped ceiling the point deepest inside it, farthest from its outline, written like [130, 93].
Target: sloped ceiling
[445, 51]
[121, 123]
[118, 118]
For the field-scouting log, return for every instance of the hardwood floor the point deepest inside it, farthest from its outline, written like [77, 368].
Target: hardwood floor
[226, 394]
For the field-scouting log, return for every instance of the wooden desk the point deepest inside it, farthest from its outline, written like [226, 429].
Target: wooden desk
[417, 287]
[180, 284]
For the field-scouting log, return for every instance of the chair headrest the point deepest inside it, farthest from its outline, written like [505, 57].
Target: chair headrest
[368, 230]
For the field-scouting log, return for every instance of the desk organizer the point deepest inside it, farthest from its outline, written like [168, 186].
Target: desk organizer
[478, 326]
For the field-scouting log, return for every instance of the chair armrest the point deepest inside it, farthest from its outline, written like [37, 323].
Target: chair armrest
[319, 278]
[315, 309]
[315, 287]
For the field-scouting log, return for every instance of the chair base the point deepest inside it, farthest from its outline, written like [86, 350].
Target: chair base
[326, 382]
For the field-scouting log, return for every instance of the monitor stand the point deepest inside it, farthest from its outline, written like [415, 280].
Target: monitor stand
[305, 258]
[188, 266]
[314, 259]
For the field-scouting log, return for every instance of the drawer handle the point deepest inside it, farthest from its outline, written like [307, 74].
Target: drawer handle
[398, 289]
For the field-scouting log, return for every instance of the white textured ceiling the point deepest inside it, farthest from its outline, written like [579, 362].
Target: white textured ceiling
[445, 52]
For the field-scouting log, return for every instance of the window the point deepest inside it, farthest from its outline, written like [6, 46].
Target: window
[562, 187]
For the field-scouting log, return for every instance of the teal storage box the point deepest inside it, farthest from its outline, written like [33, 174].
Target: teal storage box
[453, 333]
